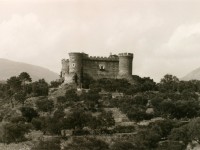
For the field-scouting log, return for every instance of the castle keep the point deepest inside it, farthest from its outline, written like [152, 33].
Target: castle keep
[114, 66]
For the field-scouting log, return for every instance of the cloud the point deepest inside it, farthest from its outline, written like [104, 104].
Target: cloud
[18, 36]
[179, 55]
[164, 36]
[25, 38]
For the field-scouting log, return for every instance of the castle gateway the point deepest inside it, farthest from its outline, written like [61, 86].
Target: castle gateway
[114, 66]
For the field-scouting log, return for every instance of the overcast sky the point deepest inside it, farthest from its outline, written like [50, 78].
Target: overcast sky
[164, 35]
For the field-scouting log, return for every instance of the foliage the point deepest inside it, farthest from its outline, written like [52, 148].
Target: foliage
[169, 83]
[14, 132]
[14, 83]
[40, 88]
[187, 133]
[148, 138]
[45, 105]
[29, 113]
[91, 100]
[37, 123]
[111, 85]
[20, 97]
[55, 84]
[18, 119]
[56, 123]
[165, 126]
[180, 134]
[24, 77]
[71, 95]
[77, 119]
[86, 80]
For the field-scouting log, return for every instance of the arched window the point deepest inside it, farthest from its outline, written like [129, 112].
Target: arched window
[101, 67]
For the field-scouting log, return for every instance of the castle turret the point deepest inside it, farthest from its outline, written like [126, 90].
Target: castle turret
[125, 65]
[75, 67]
[65, 67]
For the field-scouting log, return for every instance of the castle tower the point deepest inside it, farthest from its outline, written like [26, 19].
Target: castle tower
[75, 67]
[65, 67]
[125, 65]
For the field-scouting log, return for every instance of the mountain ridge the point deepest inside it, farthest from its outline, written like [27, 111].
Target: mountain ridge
[10, 68]
[193, 75]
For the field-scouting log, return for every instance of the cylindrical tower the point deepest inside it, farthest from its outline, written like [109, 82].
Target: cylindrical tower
[125, 65]
[75, 67]
[65, 67]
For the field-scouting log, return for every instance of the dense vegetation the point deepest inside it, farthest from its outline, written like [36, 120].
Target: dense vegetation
[86, 116]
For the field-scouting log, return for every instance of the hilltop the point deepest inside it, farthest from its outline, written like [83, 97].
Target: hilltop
[193, 75]
[113, 113]
[10, 68]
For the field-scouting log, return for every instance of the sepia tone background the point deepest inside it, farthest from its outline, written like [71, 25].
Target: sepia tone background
[163, 34]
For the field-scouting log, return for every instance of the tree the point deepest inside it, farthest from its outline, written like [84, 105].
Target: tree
[14, 83]
[45, 105]
[40, 88]
[148, 138]
[186, 109]
[91, 100]
[55, 84]
[106, 119]
[180, 134]
[24, 77]
[20, 97]
[77, 119]
[14, 132]
[167, 107]
[56, 123]
[169, 83]
[194, 130]
[165, 126]
[187, 133]
[29, 113]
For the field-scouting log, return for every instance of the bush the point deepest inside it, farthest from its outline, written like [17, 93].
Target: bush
[40, 88]
[37, 123]
[45, 105]
[29, 113]
[14, 132]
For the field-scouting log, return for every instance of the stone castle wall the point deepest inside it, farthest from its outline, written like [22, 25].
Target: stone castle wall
[101, 68]
[114, 66]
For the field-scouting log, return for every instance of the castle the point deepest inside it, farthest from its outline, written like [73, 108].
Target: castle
[114, 66]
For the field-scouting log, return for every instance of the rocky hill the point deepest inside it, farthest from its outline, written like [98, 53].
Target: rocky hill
[10, 68]
[193, 75]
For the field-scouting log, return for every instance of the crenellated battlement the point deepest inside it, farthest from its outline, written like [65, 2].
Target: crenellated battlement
[113, 66]
[126, 54]
[103, 58]
[65, 61]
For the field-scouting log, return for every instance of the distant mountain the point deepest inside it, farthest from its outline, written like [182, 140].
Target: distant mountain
[10, 68]
[194, 75]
